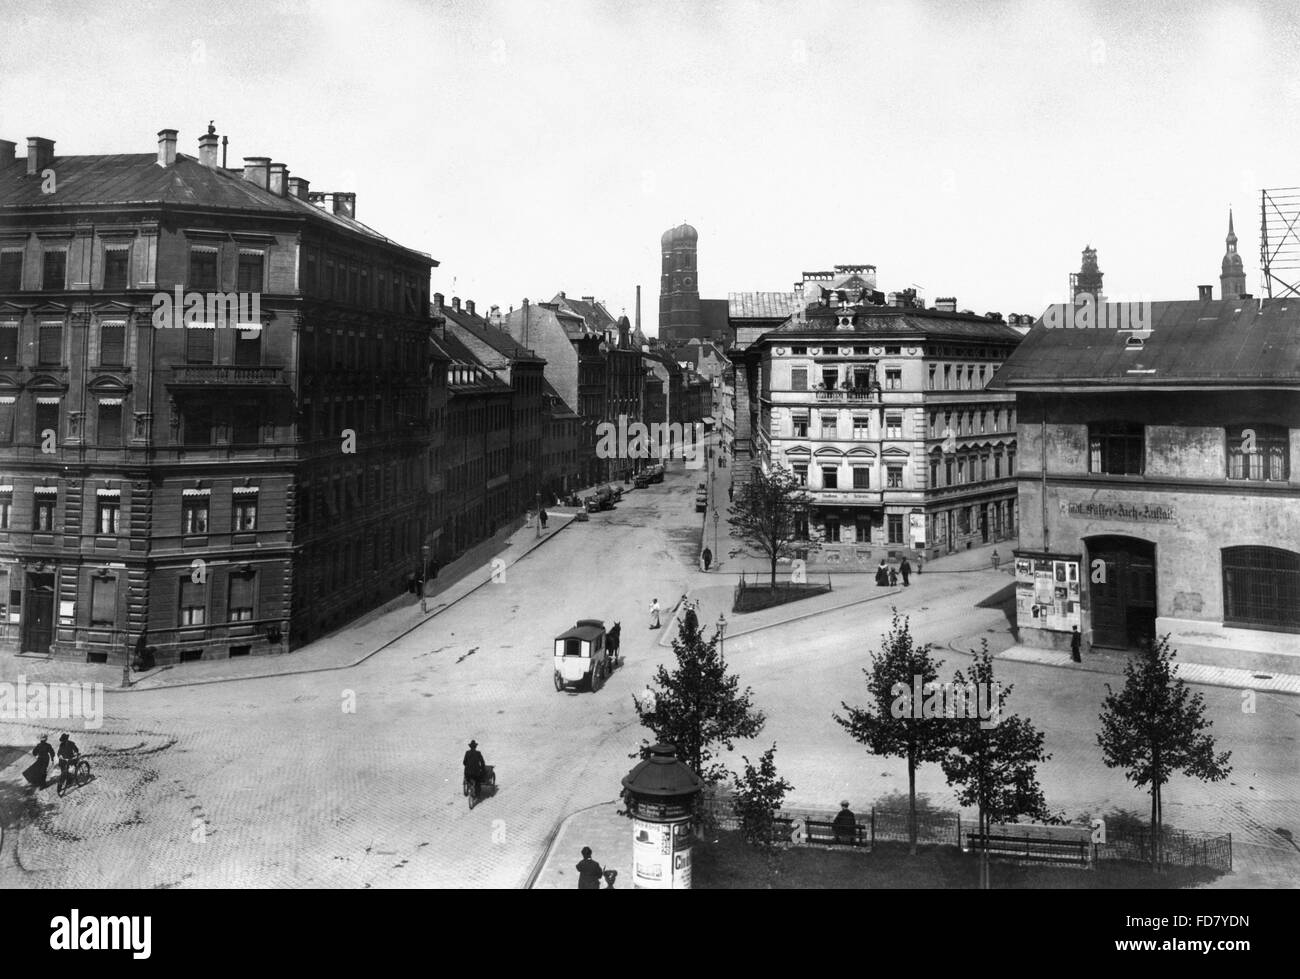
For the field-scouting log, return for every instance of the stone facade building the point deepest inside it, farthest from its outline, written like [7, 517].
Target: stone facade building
[235, 480]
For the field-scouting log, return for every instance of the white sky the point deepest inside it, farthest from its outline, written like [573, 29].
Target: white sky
[970, 148]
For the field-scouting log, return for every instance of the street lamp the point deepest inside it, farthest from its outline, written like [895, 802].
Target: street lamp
[722, 639]
[539, 514]
[716, 518]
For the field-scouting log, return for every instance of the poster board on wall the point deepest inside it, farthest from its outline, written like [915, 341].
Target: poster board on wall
[1048, 592]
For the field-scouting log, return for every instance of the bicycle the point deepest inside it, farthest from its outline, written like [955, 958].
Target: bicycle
[76, 773]
[473, 789]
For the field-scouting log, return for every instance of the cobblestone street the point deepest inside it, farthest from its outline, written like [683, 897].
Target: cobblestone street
[350, 777]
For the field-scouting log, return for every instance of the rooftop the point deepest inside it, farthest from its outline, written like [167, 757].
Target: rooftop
[1232, 343]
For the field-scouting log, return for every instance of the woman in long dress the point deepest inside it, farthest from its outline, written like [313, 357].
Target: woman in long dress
[44, 753]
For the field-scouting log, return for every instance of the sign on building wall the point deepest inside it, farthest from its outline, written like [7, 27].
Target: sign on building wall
[1048, 593]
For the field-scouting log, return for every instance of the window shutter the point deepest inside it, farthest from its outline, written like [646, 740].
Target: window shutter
[112, 344]
[51, 343]
[241, 590]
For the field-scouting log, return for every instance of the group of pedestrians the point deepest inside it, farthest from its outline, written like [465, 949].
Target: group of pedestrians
[37, 773]
[887, 577]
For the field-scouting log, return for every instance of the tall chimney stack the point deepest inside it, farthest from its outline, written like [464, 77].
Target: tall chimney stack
[7, 148]
[257, 170]
[298, 187]
[1205, 293]
[40, 154]
[345, 204]
[469, 306]
[208, 147]
[166, 147]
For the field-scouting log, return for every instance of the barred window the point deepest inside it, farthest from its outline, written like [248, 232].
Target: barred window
[1259, 452]
[1116, 448]
[1261, 588]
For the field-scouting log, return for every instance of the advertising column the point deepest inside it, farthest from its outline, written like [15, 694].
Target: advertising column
[661, 795]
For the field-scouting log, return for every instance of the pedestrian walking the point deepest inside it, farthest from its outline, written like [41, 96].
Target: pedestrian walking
[36, 773]
[654, 614]
[1076, 641]
[708, 558]
[589, 872]
[996, 560]
[904, 569]
[731, 492]
[893, 577]
[882, 574]
[689, 618]
[543, 515]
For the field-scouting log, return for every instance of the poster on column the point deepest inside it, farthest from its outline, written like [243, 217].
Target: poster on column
[652, 855]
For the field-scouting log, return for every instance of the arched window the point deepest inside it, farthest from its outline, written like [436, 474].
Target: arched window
[1261, 588]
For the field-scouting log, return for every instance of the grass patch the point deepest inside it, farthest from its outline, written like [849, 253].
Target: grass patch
[728, 864]
[754, 598]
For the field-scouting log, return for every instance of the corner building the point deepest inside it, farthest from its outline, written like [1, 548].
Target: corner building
[234, 491]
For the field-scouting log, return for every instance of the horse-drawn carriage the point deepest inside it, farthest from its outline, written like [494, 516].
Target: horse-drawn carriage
[586, 655]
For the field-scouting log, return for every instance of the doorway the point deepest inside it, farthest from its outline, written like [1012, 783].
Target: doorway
[38, 619]
[1124, 604]
[984, 522]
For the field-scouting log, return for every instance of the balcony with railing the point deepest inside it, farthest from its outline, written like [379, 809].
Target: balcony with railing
[855, 395]
[224, 376]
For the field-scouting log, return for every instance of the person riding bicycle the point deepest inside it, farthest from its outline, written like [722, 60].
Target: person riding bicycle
[475, 766]
[68, 754]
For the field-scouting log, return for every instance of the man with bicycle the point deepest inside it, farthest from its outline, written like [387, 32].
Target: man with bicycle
[69, 753]
[475, 767]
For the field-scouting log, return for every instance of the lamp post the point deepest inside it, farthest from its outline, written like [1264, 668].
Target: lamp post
[722, 639]
[716, 518]
[538, 497]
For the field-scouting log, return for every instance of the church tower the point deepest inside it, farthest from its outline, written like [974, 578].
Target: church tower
[1088, 278]
[1232, 282]
[679, 288]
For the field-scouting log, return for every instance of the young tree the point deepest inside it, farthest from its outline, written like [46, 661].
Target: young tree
[1156, 727]
[759, 793]
[698, 707]
[763, 514]
[992, 758]
[889, 725]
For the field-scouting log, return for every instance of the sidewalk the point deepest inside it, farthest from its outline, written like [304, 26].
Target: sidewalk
[599, 827]
[1004, 647]
[348, 646]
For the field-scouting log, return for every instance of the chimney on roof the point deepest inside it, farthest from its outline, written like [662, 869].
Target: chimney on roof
[437, 300]
[469, 306]
[300, 188]
[40, 154]
[279, 179]
[345, 205]
[1205, 293]
[166, 147]
[494, 316]
[455, 303]
[588, 299]
[208, 147]
[257, 170]
[7, 148]
[946, 304]
[318, 197]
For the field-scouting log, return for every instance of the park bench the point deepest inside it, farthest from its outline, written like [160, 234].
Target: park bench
[1038, 849]
[823, 832]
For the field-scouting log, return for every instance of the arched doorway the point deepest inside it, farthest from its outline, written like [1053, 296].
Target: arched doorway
[1122, 591]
